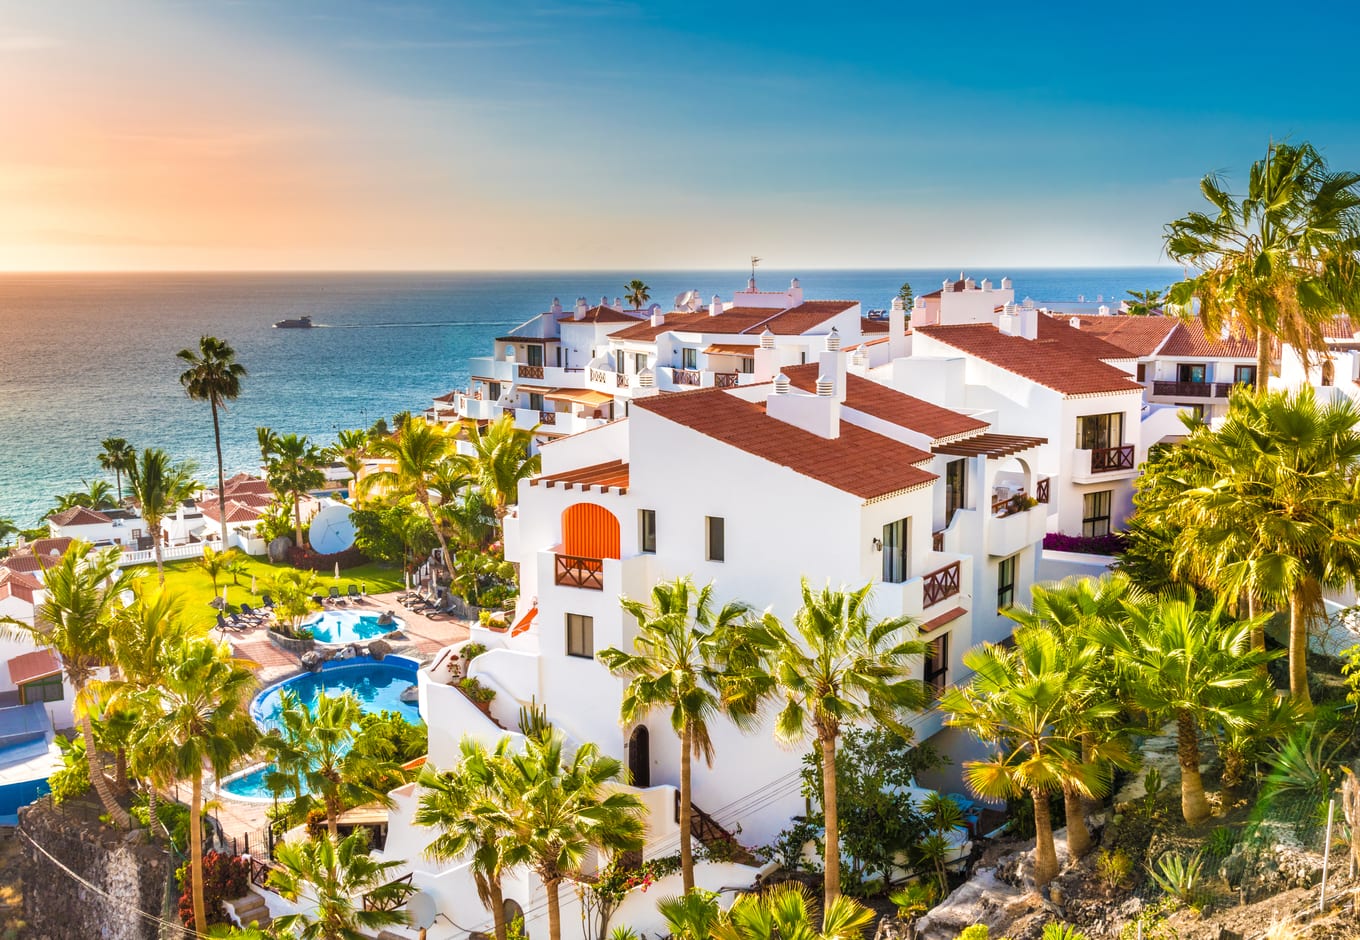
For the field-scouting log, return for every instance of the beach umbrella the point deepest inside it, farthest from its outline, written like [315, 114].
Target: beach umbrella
[406, 576]
[252, 585]
[337, 571]
[224, 598]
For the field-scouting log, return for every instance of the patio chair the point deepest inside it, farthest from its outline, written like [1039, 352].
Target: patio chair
[250, 613]
[267, 601]
[334, 596]
[353, 593]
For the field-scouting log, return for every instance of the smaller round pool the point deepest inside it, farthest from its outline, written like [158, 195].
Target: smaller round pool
[349, 626]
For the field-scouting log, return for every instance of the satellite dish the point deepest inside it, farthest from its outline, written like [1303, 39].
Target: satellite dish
[420, 907]
[332, 530]
[687, 300]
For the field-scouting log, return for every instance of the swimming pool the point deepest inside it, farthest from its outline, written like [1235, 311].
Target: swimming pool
[377, 685]
[349, 626]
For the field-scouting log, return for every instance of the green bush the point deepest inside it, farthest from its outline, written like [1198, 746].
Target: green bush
[915, 899]
[1179, 876]
[975, 932]
[1114, 868]
[171, 817]
[1056, 931]
[225, 878]
[475, 691]
[73, 779]
[472, 650]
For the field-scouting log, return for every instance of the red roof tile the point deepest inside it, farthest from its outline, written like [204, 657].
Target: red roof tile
[1339, 328]
[38, 664]
[1138, 336]
[858, 462]
[14, 583]
[79, 515]
[892, 406]
[1055, 360]
[1189, 339]
[602, 314]
[798, 320]
[955, 287]
[873, 325]
[792, 321]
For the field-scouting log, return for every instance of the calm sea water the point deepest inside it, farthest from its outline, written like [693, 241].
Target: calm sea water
[89, 356]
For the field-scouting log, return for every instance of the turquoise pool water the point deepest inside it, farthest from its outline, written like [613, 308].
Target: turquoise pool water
[349, 626]
[377, 685]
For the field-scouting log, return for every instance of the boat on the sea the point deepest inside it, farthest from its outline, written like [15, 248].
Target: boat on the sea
[300, 323]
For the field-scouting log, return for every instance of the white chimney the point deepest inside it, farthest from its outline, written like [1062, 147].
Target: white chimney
[825, 387]
[969, 284]
[581, 308]
[646, 378]
[986, 284]
[1075, 323]
[1009, 321]
[658, 317]
[1006, 283]
[833, 340]
[781, 384]
[556, 306]
[795, 293]
[618, 303]
[1103, 310]
[715, 307]
[766, 339]
[946, 285]
[818, 414]
[766, 358]
[832, 364]
[897, 327]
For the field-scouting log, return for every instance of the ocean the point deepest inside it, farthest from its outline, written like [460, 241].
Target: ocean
[89, 356]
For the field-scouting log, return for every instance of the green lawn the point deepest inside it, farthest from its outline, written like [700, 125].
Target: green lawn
[187, 578]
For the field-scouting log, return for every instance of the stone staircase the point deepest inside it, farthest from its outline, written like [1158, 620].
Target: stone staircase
[251, 908]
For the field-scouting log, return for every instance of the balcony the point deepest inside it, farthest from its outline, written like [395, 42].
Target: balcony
[486, 367]
[940, 584]
[1192, 389]
[529, 372]
[686, 377]
[1016, 529]
[726, 379]
[1103, 463]
[479, 409]
[579, 572]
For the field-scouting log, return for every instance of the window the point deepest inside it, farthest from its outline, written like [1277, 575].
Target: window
[802, 358]
[1244, 375]
[748, 365]
[535, 355]
[1142, 371]
[689, 358]
[937, 665]
[895, 551]
[42, 690]
[1190, 372]
[1005, 582]
[535, 401]
[955, 488]
[647, 530]
[1095, 513]
[639, 361]
[580, 636]
[493, 391]
[714, 531]
[1099, 431]
[1197, 410]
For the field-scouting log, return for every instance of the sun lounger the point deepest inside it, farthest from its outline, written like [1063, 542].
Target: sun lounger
[353, 592]
[250, 613]
[268, 601]
[334, 596]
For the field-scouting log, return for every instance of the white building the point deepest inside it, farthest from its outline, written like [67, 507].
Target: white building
[100, 527]
[30, 673]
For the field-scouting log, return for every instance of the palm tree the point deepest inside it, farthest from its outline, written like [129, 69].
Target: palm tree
[418, 450]
[838, 667]
[98, 494]
[7, 529]
[675, 666]
[1188, 665]
[116, 455]
[350, 448]
[158, 487]
[788, 911]
[267, 440]
[83, 593]
[354, 893]
[500, 462]
[294, 589]
[214, 564]
[293, 468]
[465, 806]
[638, 293]
[214, 376]
[563, 808]
[196, 716]
[1014, 702]
[312, 754]
[1279, 261]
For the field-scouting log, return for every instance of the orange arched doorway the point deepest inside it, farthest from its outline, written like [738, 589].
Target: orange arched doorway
[589, 531]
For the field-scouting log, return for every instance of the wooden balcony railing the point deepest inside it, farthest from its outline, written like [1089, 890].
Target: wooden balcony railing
[393, 903]
[531, 372]
[937, 541]
[599, 375]
[725, 379]
[621, 379]
[547, 417]
[1010, 505]
[577, 571]
[940, 584]
[1192, 389]
[1041, 490]
[685, 376]
[1105, 459]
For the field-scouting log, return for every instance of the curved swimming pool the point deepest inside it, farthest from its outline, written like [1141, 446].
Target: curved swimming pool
[349, 626]
[377, 684]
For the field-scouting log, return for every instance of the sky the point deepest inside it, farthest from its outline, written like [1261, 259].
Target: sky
[604, 134]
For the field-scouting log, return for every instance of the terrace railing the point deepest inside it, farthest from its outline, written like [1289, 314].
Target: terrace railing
[725, 379]
[547, 417]
[686, 376]
[939, 584]
[531, 372]
[1105, 459]
[1009, 505]
[1041, 490]
[599, 375]
[371, 903]
[1192, 389]
[578, 571]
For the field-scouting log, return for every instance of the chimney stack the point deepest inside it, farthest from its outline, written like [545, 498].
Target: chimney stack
[581, 308]
[897, 327]
[715, 307]
[556, 306]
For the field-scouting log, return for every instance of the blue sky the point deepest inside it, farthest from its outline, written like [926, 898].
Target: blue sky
[612, 134]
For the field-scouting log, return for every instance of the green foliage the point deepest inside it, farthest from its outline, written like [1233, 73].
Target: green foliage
[485, 578]
[624, 932]
[73, 779]
[1114, 868]
[1057, 931]
[907, 296]
[383, 743]
[475, 691]
[915, 899]
[293, 590]
[1180, 876]
[1304, 770]
[225, 878]
[396, 533]
[277, 519]
[975, 932]
[533, 721]
[472, 650]
[1221, 841]
[171, 817]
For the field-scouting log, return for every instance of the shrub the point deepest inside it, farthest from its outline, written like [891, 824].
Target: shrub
[225, 878]
[1180, 877]
[1114, 868]
[915, 899]
[1111, 544]
[1057, 931]
[472, 650]
[73, 779]
[975, 932]
[172, 817]
[475, 691]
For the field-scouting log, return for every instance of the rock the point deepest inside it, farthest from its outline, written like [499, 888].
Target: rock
[278, 549]
[379, 648]
[311, 661]
[410, 694]
[983, 899]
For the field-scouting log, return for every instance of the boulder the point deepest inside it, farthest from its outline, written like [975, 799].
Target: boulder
[311, 661]
[410, 694]
[983, 899]
[378, 649]
[279, 548]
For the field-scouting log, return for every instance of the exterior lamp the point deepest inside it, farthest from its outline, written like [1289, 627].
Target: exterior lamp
[878, 545]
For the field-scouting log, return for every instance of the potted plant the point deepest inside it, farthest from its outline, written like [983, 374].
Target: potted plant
[477, 694]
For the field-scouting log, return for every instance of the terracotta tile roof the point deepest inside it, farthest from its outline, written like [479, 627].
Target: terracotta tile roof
[29, 563]
[447, 397]
[858, 462]
[1139, 336]
[906, 411]
[38, 664]
[792, 321]
[1339, 328]
[238, 510]
[797, 320]
[18, 584]
[1079, 341]
[955, 287]
[1048, 361]
[872, 325]
[610, 475]
[1189, 339]
[674, 321]
[79, 515]
[48, 547]
[602, 314]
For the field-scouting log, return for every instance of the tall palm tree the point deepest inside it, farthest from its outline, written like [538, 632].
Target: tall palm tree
[1179, 663]
[638, 293]
[465, 806]
[196, 717]
[158, 487]
[1014, 703]
[839, 666]
[294, 468]
[788, 911]
[116, 455]
[350, 448]
[356, 895]
[83, 596]
[675, 665]
[214, 564]
[213, 375]
[563, 808]
[501, 461]
[1278, 261]
[314, 760]
[7, 529]
[419, 450]
[267, 440]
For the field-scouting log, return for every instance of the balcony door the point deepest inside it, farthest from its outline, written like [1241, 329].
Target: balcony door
[1190, 372]
[1096, 432]
[895, 535]
[955, 488]
[535, 355]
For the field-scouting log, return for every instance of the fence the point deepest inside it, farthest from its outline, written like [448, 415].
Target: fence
[168, 553]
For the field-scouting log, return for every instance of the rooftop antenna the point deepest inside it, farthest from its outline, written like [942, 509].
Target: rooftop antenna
[754, 261]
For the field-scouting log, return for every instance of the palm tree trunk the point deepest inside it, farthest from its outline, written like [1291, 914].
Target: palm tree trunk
[297, 519]
[221, 480]
[439, 534]
[1298, 646]
[554, 910]
[1262, 358]
[1194, 807]
[156, 546]
[100, 783]
[118, 479]
[196, 852]
[1045, 853]
[497, 897]
[1078, 834]
[333, 817]
[831, 860]
[120, 777]
[1258, 632]
[152, 822]
[686, 810]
